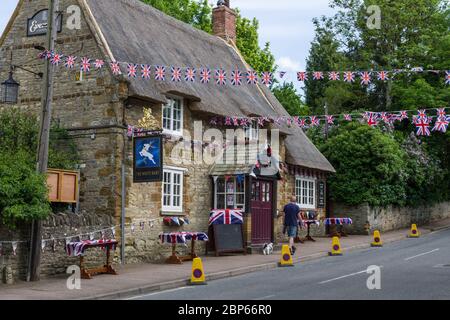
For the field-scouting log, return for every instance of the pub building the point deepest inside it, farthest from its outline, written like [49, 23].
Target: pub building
[98, 108]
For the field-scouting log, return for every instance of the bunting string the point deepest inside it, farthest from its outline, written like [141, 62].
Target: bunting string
[422, 120]
[222, 77]
[171, 221]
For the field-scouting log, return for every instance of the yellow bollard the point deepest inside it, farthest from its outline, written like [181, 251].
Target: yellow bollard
[414, 232]
[335, 247]
[198, 274]
[377, 239]
[286, 257]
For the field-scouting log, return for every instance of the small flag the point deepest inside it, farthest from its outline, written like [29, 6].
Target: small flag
[334, 75]
[98, 64]
[330, 119]
[366, 79]
[190, 75]
[205, 75]
[423, 126]
[221, 77]
[176, 74]
[252, 77]
[115, 68]
[383, 75]
[267, 78]
[70, 62]
[132, 70]
[85, 64]
[160, 73]
[349, 76]
[315, 122]
[317, 75]
[56, 59]
[302, 76]
[347, 117]
[145, 71]
[236, 78]
[282, 74]
[447, 77]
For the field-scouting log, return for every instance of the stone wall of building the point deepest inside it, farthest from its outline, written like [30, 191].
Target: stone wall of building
[389, 218]
[90, 109]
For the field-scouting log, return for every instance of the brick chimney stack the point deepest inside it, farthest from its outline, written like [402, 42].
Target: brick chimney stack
[224, 21]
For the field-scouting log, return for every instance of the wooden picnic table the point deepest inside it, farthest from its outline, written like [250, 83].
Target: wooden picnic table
[78, 249]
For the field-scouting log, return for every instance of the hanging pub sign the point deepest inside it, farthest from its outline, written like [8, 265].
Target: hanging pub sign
[321, 195]
[37, 25]
[148, 159]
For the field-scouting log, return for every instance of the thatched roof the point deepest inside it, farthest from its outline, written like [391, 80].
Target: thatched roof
[138, 33]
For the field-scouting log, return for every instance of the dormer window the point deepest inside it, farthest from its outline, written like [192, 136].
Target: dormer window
[172, 116]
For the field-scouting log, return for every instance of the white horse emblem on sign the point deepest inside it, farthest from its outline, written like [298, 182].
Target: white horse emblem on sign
[145, 153]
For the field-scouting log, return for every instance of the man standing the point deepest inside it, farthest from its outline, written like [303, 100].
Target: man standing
[291, 219]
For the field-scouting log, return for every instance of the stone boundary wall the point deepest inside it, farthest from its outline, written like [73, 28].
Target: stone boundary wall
[389, 218]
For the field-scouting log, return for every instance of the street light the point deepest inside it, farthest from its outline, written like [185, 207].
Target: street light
[10, 89]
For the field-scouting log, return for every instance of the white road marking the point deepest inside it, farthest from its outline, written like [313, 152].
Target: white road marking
[422, 254]
[346, 276]
[156, 293]
[266, 297]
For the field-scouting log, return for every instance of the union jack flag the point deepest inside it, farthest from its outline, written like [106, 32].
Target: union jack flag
[176, 74]
[145, 71]
[236, 78]
[98, 64]
[372, 120]
[347, 117]
[423, 126]
[228, 121]
[267, 78]
[43, 54]
[221, 77]
[330, 119]
[302, 76]
[205, 75]
[115, 68]
[403, 115]
[447, 77]
[315, 122]
[85, 64]
[182, 237]
[190, 75]
[441, 124]
[132, 70]
[49, 54]
[227, 216]
[70, 62]
[349, 76]
[383, 75]
[441, 112]
[301, 123]
[252, 77]
[366, 79]
[422, 114]
[333, 75]
[56, 59]
[317, 75]
[160, 73]
[385, 117]
[282, 74]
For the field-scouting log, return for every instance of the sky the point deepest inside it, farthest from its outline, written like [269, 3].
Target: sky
[286, 24]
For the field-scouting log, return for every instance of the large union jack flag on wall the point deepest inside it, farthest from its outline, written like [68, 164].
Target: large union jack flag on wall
[226, 216]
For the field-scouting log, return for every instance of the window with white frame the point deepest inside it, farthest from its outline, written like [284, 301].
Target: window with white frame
[172, 193]
[229, 194]
[305, 191]
[172, 116]
[252, 131]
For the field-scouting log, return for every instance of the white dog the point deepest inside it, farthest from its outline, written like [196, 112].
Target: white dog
[268, 249]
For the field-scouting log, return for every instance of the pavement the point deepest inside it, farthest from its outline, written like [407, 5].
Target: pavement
[139, 280]
[410, 269]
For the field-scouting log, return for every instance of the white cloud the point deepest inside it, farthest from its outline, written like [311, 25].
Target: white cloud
[288, 64]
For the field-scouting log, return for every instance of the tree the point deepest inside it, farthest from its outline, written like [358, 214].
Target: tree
[287, 95]
[23, 192]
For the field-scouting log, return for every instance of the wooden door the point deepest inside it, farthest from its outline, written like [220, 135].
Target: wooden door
[261, 209]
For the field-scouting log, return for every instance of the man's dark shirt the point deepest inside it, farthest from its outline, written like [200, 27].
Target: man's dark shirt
[291, 211]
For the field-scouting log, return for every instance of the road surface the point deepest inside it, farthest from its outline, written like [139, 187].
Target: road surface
[410, 269]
